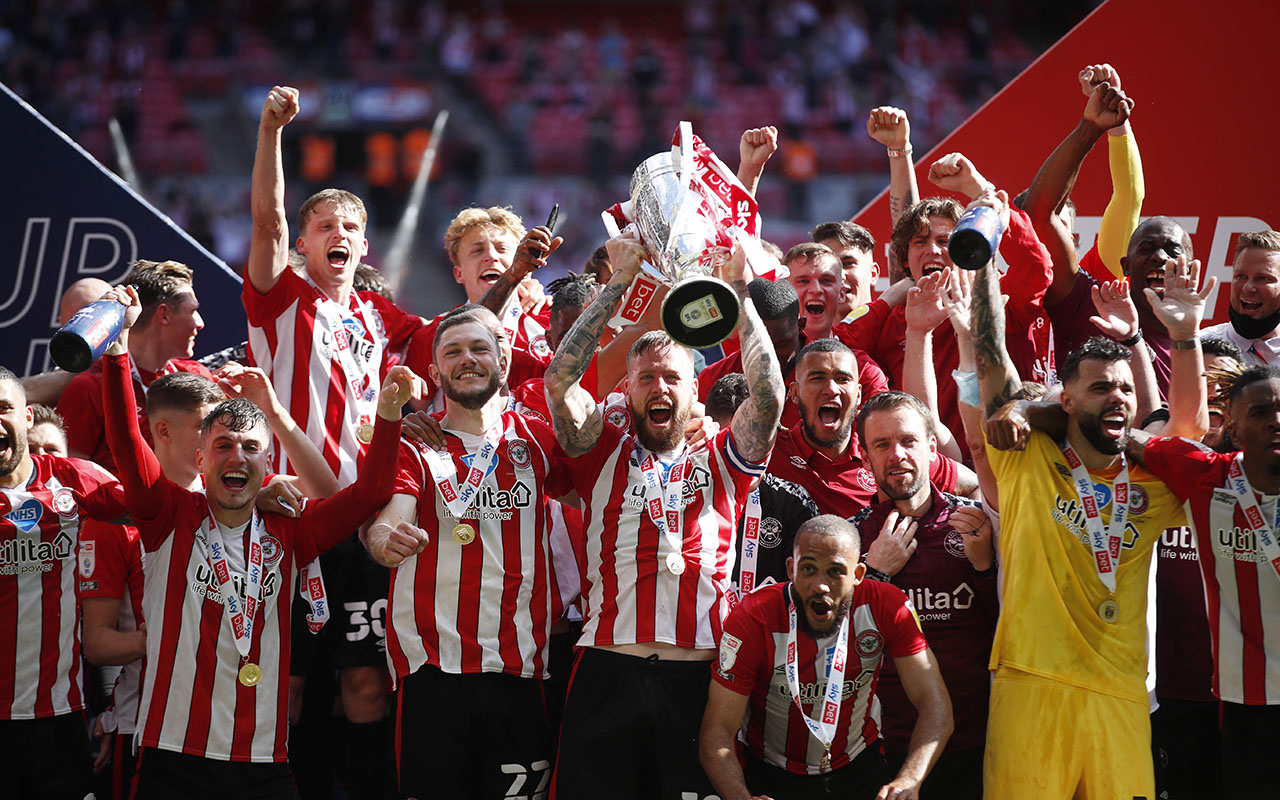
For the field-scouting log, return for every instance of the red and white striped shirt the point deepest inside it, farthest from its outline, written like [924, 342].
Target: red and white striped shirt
[485, 606]
[631, 596]
[111, 566]
[1241, 588]
[753, 658]
[192, 701]
[295, 345]
[39, 610]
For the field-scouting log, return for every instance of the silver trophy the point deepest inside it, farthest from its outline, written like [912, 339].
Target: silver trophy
[700, 310]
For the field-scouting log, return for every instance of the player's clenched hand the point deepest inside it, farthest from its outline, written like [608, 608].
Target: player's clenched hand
[280, 108]
[699, 433]
[390, 546]
[972, 523]
[889, 126]
[892, 549]
[533, 249]
[899, 789]
[401, 386]
[756, 147]
[1008, 428]
[626, 254]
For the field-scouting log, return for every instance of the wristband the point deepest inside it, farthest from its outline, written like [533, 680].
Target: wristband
[903, 153]
[1185, 344]
[967, 387]
[877, 575]
[1132, 340]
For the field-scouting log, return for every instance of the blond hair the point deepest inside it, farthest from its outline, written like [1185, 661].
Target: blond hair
[503, 219]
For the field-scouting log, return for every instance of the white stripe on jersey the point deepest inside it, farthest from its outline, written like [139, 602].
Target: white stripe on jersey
[299, 326]
[1239, 565]
[625, 562]
[35, 652]
[200, 689]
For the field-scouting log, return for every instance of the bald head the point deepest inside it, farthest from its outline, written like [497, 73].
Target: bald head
[80, 294]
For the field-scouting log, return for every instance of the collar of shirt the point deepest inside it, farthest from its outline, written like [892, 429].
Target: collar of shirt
[816, 458]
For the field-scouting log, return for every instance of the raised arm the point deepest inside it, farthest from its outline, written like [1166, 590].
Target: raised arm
[1181, 309]
[754, 150]
[958, 301]
[315, 477]
[923, 683]
[531, 253]
[1107, 107]
[926, 310]
[1128, 188]
[716, 744]
[269, 236]
[755, 424]
[574, 413]
[998, 381]
[890, 127]
[1117, 318]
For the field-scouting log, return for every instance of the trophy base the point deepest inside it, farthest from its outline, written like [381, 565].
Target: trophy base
[700, 312]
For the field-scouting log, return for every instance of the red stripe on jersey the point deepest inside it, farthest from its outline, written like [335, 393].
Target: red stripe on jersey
[300, 380]
[156, 692]
[8, 642]
[50, 619]
[1253, 659]
[197, 737]
[469, 587]
[608, 611]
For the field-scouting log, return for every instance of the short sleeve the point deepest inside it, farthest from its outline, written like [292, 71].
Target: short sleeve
[263, 308]
[902, 630]
[411, 475]
[1181, 463]
[943, 473]
[103, 566]
[742, 652]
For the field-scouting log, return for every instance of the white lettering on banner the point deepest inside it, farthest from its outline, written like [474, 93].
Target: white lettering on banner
[83, 233]
[23, 289]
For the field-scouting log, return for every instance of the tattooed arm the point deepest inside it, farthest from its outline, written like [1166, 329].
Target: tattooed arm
[530, 254]
[755, 425]
[574, 413]
[998, 381]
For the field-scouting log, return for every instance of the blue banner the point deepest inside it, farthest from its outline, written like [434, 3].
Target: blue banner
[65, 217]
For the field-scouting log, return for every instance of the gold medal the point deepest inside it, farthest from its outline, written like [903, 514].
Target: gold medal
[1109, 610]
[675, 564]
[825, 761]
[464, 534]
[250, 674]
[365, 432]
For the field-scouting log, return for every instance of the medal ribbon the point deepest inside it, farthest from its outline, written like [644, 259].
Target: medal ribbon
[241, 615]
[311, 587]
[459, 499]
[824, 728]
[364, 390]
[1105, 543]
[1253, 512]
[662, 498]
[750, 551]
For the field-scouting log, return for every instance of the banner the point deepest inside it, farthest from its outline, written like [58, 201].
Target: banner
[66, 217]
[1197, 74]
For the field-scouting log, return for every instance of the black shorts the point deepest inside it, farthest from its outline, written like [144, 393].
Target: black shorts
[46, 757]
[1186, 739]
[355, 635]
[1249, 766]
[860, 779]
[957, 774]
[630, 728]
[163, 775]
[472, 736]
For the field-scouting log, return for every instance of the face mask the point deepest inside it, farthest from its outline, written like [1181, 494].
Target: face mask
[1250, 328]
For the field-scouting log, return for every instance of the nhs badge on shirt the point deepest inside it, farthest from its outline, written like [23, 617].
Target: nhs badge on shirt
[26, 516]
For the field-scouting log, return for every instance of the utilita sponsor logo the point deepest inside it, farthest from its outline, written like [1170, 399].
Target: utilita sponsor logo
[29, 555]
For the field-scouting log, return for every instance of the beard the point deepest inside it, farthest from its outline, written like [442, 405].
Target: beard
[1250, 328]
[802, 615]
[920, 480]
[17, 452]
[1091, 429]
[660, 442]
[837, 439]
[475, 398]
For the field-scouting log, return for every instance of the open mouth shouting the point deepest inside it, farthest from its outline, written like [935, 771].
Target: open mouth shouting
[822, 612]
[338, 257]
[1155, 279]
[660, 414]
[1115, 423]
[6, 445]
[235, 480]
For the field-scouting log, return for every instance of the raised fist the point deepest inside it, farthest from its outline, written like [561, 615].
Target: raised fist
[280, 107]
[756, 147]
[955, 173]
[1093, 75]
[1107, 106]
[889, 126]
